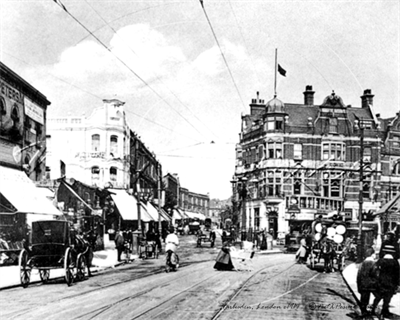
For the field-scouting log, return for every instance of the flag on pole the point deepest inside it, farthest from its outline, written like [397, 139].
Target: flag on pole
[281, 70]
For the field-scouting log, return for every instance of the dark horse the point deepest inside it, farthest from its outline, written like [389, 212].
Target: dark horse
[328, 254]
[82, 246]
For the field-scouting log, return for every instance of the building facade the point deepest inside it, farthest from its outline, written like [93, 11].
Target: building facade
[94, 149]
[295, 162]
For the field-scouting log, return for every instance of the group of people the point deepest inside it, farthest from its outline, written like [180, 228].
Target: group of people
[379, 277]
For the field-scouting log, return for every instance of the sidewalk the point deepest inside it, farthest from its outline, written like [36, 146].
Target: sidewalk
[105, 259]
[350, 276]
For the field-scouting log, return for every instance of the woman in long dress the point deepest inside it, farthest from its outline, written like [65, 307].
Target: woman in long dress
[223, 260]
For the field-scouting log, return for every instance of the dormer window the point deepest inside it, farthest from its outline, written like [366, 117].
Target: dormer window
[274, 123]
[333, 125]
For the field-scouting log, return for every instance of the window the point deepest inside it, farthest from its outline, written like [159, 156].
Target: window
[274, 180]
[15, 116]
[333, 125]
[298, 151]
[114, 145]
[334, 151]
[274, 150]
[332, 184]
[95, 142]
[257, 218]
[367, 154]
[113, 174]
[297, 183]
[260, 153]
[395, 142]
[396, 169]
[95, 174]
[274, 123]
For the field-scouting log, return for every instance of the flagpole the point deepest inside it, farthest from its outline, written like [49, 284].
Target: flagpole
[276, 69]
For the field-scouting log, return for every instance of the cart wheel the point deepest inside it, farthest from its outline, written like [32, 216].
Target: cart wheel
[68, 267]
[24, 268]
[44, 275]
[81, 267]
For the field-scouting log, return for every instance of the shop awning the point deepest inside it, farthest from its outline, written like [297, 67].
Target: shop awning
[153, 211]
[165, 215]
[127, 206]
[392, 205]
[195, 215]
[76, 195]
[178, 215]
[22, 193]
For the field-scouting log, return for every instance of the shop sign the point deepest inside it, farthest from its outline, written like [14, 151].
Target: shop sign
[33, 111]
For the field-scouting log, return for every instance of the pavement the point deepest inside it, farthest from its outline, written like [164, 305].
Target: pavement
[350, 276]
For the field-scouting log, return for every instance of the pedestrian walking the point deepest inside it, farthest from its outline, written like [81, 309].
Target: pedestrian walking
[301, 254]
[119, 244]
[387, 269]
[367, 280]
[223, 260]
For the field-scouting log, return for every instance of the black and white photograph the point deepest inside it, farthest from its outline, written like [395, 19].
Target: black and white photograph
[199, 159]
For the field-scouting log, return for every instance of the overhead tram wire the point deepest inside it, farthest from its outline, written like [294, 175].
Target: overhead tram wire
[59, 3]
[245, 42]
[222, 54]
[157, 77]
[100, 98]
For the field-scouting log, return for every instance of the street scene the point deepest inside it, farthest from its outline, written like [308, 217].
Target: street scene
[199, 159]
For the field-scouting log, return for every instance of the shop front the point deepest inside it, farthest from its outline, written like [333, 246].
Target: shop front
[21, 203]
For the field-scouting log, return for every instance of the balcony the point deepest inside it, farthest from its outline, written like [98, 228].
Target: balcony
[322, 204]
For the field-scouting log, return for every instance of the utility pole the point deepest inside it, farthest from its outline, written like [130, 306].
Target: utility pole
[159, 196]
[360, 251]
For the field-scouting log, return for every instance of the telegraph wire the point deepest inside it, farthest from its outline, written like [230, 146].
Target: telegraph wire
[100, 98]
[244, 41]
[157, 77]
[222, 54]
[58, 2]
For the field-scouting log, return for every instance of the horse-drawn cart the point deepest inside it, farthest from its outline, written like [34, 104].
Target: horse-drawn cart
[55, 246]
[329, 244]
[206, 236]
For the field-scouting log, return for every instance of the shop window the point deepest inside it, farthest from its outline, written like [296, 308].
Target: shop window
[95, 142]
[113, 173]
[114, 145]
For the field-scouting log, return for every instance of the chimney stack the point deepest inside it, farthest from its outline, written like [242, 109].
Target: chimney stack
[309, 96]
[367, 98]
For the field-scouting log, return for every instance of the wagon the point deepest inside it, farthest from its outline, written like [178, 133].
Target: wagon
[329, 243]
[54, 246]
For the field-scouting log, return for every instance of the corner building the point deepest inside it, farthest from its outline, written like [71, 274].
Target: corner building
[295, 162]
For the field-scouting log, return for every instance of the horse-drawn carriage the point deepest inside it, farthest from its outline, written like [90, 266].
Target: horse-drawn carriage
[206, 236]
[329, 243]
[55, 246]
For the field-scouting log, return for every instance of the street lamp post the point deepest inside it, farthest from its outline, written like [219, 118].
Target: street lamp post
[360, 251]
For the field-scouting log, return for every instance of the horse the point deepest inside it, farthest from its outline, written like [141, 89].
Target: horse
[328, 254]
[83, 246]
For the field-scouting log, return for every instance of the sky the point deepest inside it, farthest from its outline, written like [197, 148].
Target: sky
[188, 74]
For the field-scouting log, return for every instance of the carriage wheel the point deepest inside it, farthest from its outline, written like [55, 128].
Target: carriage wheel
[68, 267]
[44, 275]
[24, 268]
[81, 267]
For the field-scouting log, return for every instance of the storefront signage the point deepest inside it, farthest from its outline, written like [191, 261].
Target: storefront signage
[98, 155]
[33, 111]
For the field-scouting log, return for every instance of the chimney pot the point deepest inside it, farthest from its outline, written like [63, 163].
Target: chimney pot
[367, 98]
[308, 95]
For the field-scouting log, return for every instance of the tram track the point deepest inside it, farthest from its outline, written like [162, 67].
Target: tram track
[160, 270]
[163, 305]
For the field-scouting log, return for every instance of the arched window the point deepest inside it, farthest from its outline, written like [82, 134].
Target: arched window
[113, 173]
[114, 145]
[95, 174]
[95, 142]
[15, 116]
